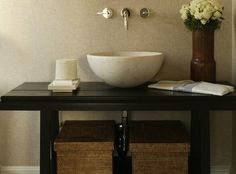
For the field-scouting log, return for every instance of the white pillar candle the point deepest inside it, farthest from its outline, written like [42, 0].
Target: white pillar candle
[66, 69]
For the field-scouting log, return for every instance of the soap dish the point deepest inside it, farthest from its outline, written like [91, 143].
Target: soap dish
[64, 85]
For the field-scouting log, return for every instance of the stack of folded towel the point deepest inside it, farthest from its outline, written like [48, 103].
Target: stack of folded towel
[66, 79]
[64, 85]
[193, 87]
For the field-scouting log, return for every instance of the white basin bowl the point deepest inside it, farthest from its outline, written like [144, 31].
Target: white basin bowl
[127, 68]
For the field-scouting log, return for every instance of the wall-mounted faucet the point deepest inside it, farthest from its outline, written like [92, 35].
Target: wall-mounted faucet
[125, 13]
[106, 12]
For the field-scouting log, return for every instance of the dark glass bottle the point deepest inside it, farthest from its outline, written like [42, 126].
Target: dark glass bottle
[123, 141]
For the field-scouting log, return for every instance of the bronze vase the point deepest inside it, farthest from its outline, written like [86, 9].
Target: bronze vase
[203, 66]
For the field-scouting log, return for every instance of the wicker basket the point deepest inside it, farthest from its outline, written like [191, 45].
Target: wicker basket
[159, 147]
[85, 147]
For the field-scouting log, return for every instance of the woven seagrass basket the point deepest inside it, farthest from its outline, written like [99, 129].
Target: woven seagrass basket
[159, 147]
[85, 147]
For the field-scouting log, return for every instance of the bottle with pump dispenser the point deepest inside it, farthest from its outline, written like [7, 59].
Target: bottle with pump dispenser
[123, 141]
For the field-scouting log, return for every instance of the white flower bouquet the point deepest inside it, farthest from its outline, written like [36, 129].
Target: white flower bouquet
[205, 15]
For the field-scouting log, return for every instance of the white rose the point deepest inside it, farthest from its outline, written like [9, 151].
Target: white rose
[204, 3]
[198, 16]
[198, 7]
[192, 7]
[184, 8]
[206, 14]
[184, 11]
[203, 21]
[184, 16]
[192, 11]
[217, 15]
[209, 8]
[217, 6]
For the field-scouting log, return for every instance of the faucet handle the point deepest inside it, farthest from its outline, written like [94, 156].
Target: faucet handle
[144, 12]
[106, 12]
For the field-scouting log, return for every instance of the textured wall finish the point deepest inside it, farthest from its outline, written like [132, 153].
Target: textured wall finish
[33, 34]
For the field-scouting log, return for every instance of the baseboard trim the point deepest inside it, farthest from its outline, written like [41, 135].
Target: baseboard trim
[19, 170]
[220, 169]
[36, 170]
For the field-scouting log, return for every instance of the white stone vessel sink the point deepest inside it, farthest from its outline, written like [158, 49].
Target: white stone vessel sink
[127, 68]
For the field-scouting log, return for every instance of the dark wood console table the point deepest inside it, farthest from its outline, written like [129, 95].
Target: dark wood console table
[95, 96]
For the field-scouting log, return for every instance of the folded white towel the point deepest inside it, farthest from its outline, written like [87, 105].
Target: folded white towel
[194, 87]
[62, 82]
[64, 85]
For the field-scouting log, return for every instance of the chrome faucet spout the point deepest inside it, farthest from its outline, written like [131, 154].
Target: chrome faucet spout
[125, 13]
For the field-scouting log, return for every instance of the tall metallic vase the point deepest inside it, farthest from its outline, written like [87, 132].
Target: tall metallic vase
[203, 66]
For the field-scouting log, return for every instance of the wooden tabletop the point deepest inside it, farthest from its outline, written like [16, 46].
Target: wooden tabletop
[98, 92]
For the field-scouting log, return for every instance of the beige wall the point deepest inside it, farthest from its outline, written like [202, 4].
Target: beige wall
[33, 34]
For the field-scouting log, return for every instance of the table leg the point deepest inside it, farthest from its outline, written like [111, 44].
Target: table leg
[45, 117]
[54, 133]
[200, 143]
[49, 129]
